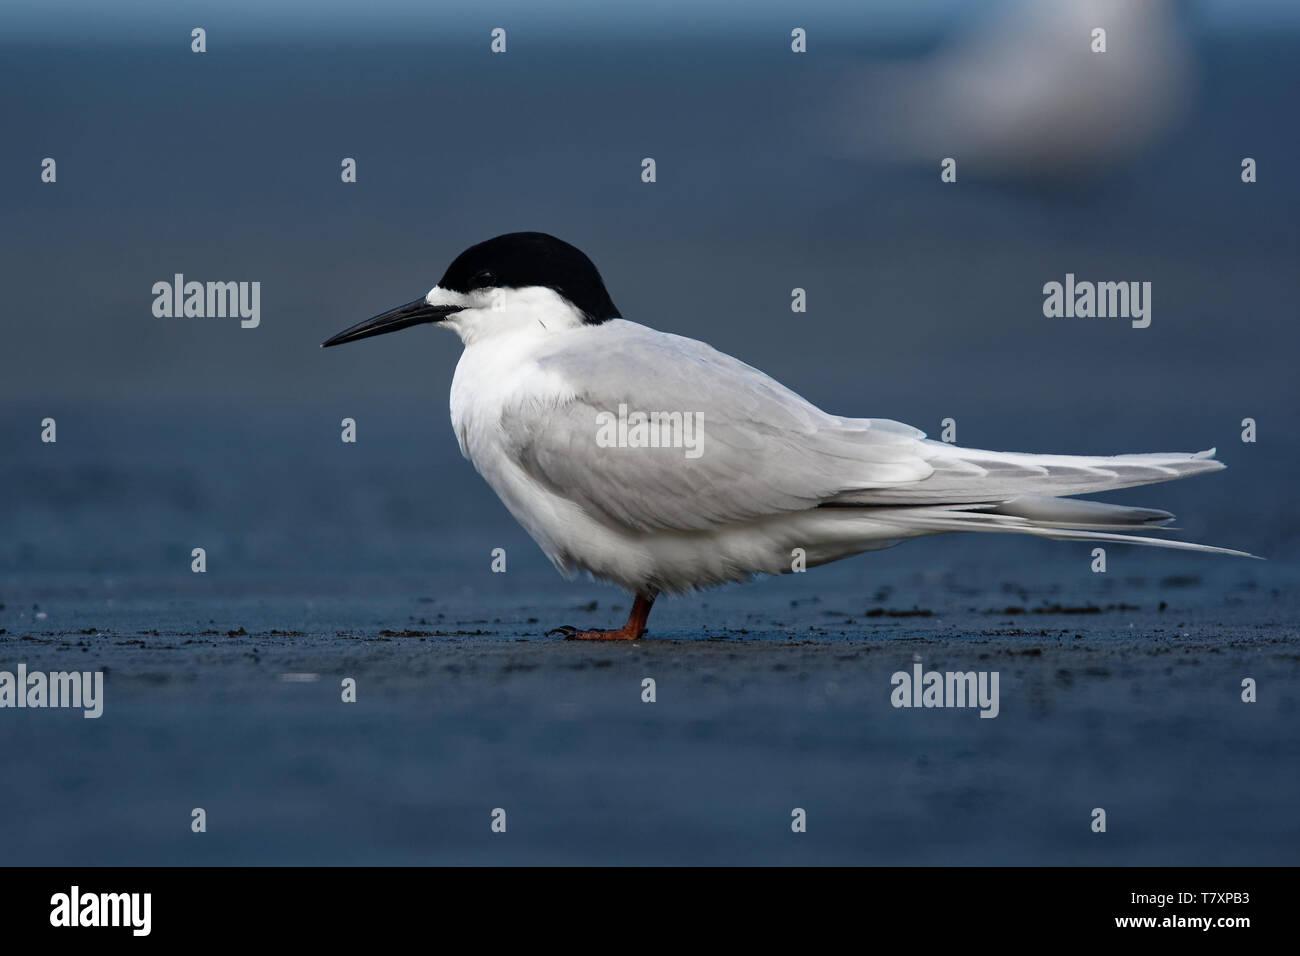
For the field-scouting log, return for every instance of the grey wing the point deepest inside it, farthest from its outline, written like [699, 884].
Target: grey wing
[758, 449]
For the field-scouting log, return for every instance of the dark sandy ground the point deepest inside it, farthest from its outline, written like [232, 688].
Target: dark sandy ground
[1121, 693]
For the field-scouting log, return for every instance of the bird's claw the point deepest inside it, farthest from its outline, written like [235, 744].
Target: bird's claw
[572, 633]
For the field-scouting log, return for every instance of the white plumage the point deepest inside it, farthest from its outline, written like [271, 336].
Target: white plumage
[775, 472]
[769, 475]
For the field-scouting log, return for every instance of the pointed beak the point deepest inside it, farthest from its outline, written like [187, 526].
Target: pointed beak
[418, 312]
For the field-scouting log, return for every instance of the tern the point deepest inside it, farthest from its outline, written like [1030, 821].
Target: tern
[768, 483]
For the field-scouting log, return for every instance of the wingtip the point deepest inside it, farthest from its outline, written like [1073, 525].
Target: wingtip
[1208, 458]
[1241, 554]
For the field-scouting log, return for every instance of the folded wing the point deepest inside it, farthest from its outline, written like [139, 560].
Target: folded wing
[750, 448]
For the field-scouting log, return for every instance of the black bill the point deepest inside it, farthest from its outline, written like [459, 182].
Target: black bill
[418, 312]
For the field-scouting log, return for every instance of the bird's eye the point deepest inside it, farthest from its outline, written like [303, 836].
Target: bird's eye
[485, 280]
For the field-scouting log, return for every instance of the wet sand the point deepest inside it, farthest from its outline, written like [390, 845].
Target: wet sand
[769, 697]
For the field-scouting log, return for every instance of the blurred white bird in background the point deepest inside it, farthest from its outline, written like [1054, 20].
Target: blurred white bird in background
[1022, 95]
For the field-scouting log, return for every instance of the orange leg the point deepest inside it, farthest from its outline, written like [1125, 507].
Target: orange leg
[631, 631]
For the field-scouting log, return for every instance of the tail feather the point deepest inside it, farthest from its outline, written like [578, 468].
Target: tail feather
[972, 475]
[970, 489]
[1048, 512]
[1070, 521]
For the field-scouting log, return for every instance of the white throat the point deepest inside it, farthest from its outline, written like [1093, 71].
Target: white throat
[491, 313]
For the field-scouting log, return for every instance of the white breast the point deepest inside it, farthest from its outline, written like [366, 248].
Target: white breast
[499, 375]
[502, 375]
